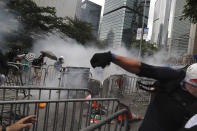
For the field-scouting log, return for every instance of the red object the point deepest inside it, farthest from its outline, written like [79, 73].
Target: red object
[120, 117]
[119, 82]
[94, 105]
[130, 117]
[94, 120]
[193, 80]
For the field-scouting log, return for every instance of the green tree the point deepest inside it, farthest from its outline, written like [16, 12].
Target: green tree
[147, 48]
[77, 29]
[34, 18]
[38, 20]
[190, 11]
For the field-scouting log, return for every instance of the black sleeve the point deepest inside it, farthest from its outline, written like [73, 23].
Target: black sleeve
[160, 73]
[190, 129]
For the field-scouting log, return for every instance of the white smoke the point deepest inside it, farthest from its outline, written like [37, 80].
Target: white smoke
[8, 22]
[77, 55]
[157, 59]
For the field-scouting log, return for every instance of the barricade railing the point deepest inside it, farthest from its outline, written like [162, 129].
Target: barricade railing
[41, 93]
[51, 73]
[127, 90]
[23, 74]
[119, 125]
[60, 115]
[120, 85]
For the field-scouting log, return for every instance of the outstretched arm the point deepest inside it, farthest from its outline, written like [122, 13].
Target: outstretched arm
[145, 70]
[129, 64]
[134, 66]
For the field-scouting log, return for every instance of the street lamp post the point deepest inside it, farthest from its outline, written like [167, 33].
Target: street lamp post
[141, 40]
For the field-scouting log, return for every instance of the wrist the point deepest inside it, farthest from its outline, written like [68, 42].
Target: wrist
[113, 56]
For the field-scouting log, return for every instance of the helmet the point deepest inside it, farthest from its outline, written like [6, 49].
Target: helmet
[61, 57]
[191, 75]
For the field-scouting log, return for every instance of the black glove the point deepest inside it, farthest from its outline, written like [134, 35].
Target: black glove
[101, 59]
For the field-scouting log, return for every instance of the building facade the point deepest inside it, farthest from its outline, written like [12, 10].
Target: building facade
[161, 22]
[91, 12]
[168, 30]
[192, 48]
[121, 20]
[70, 8]
[179, 30]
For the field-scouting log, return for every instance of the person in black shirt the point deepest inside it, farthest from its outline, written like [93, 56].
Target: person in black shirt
[37, 64]
[175, 99]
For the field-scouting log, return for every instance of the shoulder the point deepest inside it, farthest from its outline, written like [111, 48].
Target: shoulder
[160, 73]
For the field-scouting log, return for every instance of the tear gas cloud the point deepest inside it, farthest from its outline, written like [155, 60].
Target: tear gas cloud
[77, 55]
[8, 22]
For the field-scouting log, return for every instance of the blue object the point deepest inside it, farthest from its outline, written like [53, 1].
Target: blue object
[113, 56]
[195, 56]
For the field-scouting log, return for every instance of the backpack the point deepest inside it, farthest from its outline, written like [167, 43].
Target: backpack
[36, 62]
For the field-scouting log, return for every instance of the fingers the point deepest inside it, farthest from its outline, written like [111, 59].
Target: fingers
[27, 119]
[28, 125]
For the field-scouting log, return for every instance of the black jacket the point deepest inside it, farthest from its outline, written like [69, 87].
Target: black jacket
[165, 112]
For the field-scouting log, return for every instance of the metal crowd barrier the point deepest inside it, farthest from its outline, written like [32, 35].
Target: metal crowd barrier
[127, 90]
[119, 125]
[41, 93]
[51, 73]
[119, 86]
[60, 115]
[21, 74]
[38, 93]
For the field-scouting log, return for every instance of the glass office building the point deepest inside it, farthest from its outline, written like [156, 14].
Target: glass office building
[179, 30]
[121, 19]
[161, 22]
[90, 12]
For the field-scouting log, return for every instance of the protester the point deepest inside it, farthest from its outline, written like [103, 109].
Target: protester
[25, 64]
[37, 64]
[58, 64]
[175, 99]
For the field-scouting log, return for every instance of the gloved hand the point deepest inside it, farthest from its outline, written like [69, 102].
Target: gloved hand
[101, 59]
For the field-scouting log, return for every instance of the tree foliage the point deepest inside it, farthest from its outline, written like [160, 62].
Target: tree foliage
[147, 48]
[190, 11]
[77, 29]
[35, 20]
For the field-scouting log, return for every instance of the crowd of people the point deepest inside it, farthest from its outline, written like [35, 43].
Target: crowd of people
[25, 61]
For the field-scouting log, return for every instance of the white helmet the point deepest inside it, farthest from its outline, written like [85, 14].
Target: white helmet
[191, 75]
[61, 57]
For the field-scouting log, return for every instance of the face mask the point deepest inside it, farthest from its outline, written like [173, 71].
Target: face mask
[62, 61]
[2, 79]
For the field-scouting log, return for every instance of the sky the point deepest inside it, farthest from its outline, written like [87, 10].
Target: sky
[150, 20]
[100, 2]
